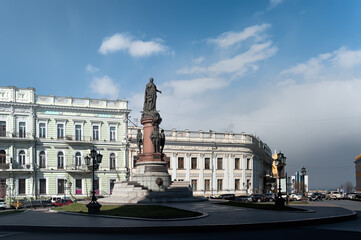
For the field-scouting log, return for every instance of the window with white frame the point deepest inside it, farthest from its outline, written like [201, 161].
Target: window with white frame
[42, 186]
[21, 186]
[78, 132]
[112, 161]
[78, 187]
[60, 160]
[60, 130]
[77, 160]
[22, 158]
[2, 129]
[95, 132]
[112, 133]
[42, 159]
[22, 129]
[42, 130]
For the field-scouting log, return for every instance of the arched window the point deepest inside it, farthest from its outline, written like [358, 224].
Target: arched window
[60, 160]
[77, 160]
[42, 159]
[112, 161]
[22, 157]
[2, 157]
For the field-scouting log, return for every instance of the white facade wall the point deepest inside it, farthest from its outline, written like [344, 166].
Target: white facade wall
[217, 147]
[21, 107]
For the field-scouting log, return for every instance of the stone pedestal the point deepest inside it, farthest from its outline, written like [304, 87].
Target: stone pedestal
[153, 175]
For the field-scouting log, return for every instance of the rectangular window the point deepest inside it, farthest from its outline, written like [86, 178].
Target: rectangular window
[207, 185]
[219, 163]
[42, 130]
[248, 163]
[2, 129]
[21, 186]
[112, 133]
[112, 161]
[42, 183]
[219, 184]
[111, 187]
[95, 132]
[236, 163]
[168, 162]
[61, 186]
[134, 161]
[22, 129]
[78, 134]
[2, 187]
[236, 184]
[194, 162]
[194, 185]
[207, 163]
[180, 162]
[96, 186]
[78, 187]
[60, 130]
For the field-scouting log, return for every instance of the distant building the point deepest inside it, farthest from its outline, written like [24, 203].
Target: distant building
[297, 181]
[215, 163]
[358, 172]
[44, 139]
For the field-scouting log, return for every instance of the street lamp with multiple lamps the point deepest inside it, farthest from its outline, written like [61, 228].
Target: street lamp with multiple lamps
[93, 206]
[280, 163]
[303, 173]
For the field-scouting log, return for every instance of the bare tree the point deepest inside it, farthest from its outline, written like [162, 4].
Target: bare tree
[348, 187]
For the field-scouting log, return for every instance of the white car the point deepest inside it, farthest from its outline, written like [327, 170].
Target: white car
[296, 196]
[334, 195]
[2, 204]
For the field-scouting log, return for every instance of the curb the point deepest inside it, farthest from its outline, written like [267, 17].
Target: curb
[133, 218]
[180, 229]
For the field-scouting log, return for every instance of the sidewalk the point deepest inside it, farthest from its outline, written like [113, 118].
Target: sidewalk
[218, 218]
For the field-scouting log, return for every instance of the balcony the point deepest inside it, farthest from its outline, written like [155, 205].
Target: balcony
[19, 136]
[76, 168]
[19, 166]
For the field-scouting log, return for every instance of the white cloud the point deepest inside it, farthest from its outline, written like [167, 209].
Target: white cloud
[136, 48]
[244, 62]
[90, 68]
[273, 3]
[192, 70]
[105, 87]
[228, 39]
[198, 60]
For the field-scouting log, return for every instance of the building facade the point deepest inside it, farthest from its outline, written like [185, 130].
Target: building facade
[214, 163]
[44, 139]
[358, 172]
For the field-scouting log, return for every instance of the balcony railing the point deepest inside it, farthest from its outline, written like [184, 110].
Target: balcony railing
[9, 134]
[20, 166]
[4, 165]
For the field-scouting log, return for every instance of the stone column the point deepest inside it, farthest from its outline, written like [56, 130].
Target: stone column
[174, 166]
[187, 167]
[231, 182]
[201, 176]
[214, 172]
[226, 177]
[244, 181]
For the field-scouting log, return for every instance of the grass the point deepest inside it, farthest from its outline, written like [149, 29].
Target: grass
[137, 211]
[10, 212]
[261, 206]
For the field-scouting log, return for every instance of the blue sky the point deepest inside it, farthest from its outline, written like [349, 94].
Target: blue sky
[287, 71]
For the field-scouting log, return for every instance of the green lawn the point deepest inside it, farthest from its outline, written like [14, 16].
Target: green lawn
[262, 206]
[9, 212]
[138, 211]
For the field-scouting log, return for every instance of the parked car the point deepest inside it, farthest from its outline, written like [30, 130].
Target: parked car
[334, 195]
[2, 204]
[269, 197]
[358, 196]
[257, 197]
[245, 199]
[227, 196]
[62, 202]
[315, 197]
[53, 199]
[296, 196]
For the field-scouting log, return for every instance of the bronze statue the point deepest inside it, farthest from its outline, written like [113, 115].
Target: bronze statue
[162, 141]
[139, 140]
[155, 137]
[150, 97]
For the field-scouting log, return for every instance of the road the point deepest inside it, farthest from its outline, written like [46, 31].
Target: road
[330, 231]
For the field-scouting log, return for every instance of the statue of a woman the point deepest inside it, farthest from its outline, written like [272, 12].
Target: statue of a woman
[150, 97]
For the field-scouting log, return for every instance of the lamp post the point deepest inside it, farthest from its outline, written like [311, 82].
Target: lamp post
[280, 163]
[303, 172]
[93, 206]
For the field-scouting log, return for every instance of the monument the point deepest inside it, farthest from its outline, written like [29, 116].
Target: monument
[151, 181]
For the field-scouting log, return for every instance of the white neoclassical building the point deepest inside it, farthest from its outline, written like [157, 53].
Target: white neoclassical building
[215, 163]
[44, 139]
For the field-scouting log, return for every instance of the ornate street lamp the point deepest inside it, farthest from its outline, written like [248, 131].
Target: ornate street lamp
[303, 172]
[280, 163]
[93, 206]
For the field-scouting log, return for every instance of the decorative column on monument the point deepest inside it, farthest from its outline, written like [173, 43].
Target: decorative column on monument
[151, 166]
